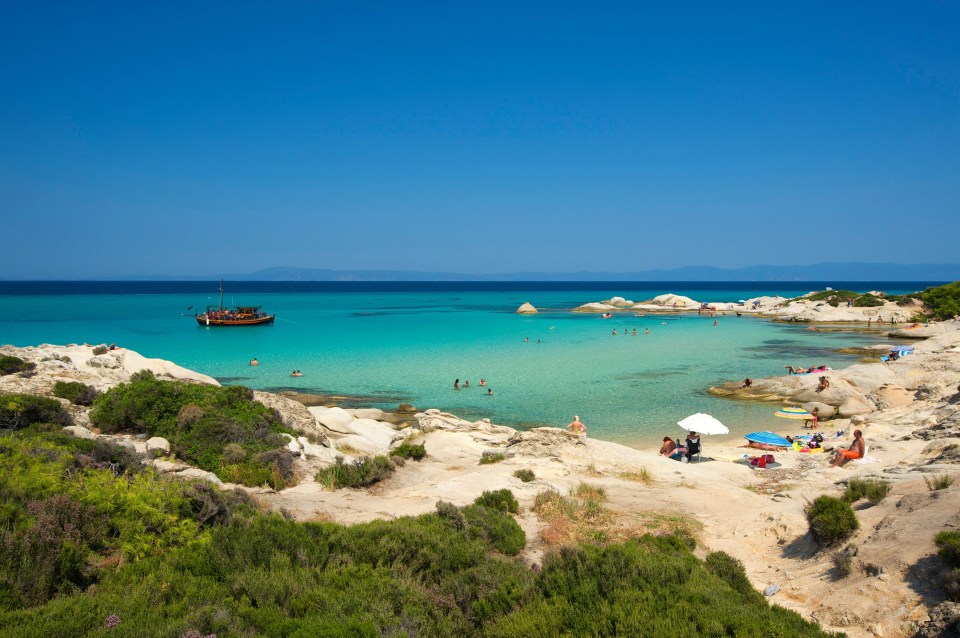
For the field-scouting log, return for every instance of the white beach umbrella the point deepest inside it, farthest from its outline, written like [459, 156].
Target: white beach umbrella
[703, 424]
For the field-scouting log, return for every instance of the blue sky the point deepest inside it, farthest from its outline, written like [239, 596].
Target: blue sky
[199, 138]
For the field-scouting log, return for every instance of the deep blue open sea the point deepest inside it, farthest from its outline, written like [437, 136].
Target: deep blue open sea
[395, 342]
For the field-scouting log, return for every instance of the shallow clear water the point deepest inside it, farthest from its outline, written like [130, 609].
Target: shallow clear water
[396, 344]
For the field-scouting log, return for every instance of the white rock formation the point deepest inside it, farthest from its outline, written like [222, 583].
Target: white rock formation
[526, 308]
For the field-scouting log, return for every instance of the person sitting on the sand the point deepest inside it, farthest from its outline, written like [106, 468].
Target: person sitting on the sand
[693, 445]
[577, 427]
[669, 449]
[746, 383]
[857, 450]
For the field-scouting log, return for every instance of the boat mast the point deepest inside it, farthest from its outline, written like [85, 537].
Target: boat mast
[221, 294]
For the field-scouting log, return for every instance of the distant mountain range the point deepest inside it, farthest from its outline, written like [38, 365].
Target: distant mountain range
[854, 271]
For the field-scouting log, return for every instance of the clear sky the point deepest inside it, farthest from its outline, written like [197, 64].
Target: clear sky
[196, 138]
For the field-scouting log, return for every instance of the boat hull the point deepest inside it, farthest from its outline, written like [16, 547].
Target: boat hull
[202, 320]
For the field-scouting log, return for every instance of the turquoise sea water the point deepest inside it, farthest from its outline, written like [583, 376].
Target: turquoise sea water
[409, 343]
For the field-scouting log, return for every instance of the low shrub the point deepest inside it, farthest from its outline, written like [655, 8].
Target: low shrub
[489, 457]
[452, 514]
[75, 392]
[415, 451]
[494, 528]
[526, 476]
[948, 544]
[502, 500]
[12, 365]
[360, 473]
[588, 492]
[832, 520]
[938, 482]
[98, 350]
[868, 301]
[873, 489]
[843, 562]
[22, 410]
[731, 571]
[942, 302]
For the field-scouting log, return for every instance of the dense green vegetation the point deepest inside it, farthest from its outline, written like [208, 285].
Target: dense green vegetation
[832, 520]
[12, 365]
[360, 473]
[222, 430]
[103, 547]
[942, 302]
[23, 410]
[874, 490]
[862, 300]
[490, 457]
[75, 392]
[502, 500]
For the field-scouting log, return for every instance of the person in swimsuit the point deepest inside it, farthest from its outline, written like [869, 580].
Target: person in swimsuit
[577, 427]
[856, 450]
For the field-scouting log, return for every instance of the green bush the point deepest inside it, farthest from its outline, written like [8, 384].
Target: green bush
[526, 476]
[731, 571]
[22, 410]
[12, 365]
[873, 489]
[490, 457]
[415, 451]
[98, 350]
[502, 500]
[494, 528]
[75, 392]
[200, 422]
[942, 302]
[950, 581]
[867, 301]
[360, 473]
[832, 520]
[948, 543]
[938, 482]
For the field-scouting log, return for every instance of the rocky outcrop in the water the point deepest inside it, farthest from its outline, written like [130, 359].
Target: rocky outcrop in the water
[526, 308]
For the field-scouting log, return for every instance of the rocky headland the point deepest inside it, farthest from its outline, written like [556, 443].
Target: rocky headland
[809, 308]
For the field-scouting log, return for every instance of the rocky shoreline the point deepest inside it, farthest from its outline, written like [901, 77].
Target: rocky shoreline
[909, 411]
[798, 309]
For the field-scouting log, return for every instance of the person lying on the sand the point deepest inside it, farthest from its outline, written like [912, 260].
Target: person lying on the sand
[792, 370]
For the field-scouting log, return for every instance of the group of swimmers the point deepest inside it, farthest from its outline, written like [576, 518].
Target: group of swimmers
[626, 331]
[466, 384]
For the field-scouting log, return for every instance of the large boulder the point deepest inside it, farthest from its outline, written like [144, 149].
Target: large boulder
[824, 412]
[594, 306]
[526, 308]
[79, 432]
[293, 414]
[854, 406]
[369, 413]
[336, 420]
[310, 451]
[158, 445]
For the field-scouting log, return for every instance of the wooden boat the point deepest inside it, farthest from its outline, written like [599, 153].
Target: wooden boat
[236, 316]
